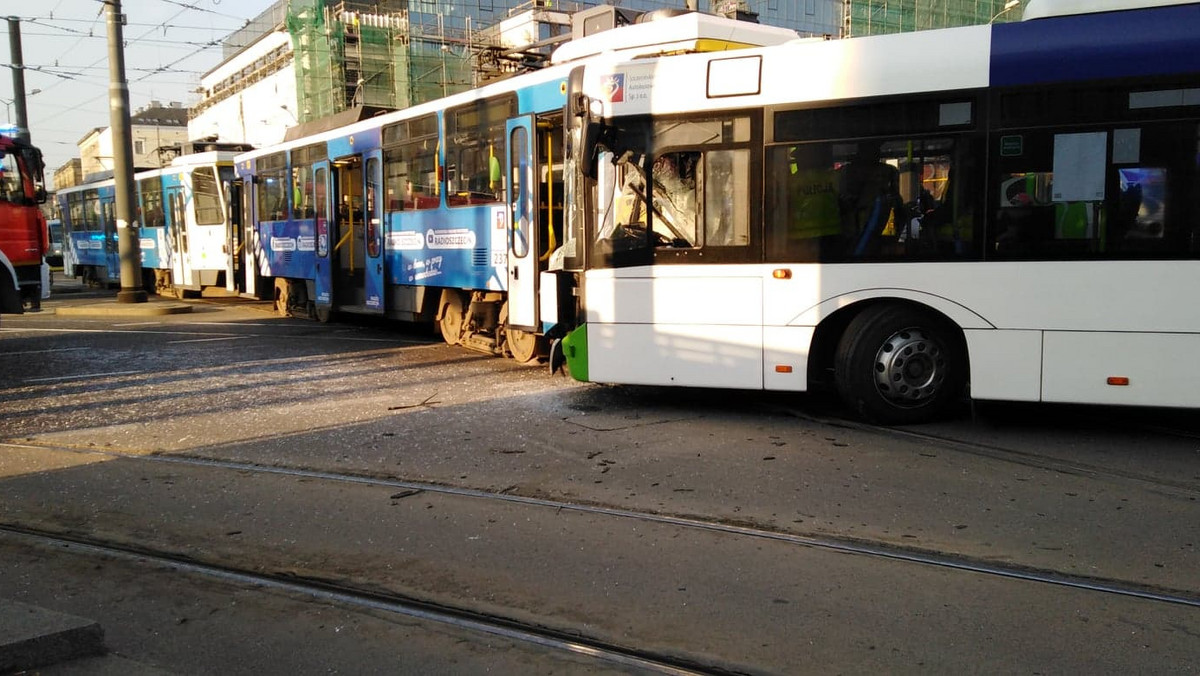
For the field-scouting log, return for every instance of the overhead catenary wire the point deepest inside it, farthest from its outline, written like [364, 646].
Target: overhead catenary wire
[78, 73]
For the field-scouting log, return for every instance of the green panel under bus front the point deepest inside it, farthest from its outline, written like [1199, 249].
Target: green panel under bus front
[574, 346]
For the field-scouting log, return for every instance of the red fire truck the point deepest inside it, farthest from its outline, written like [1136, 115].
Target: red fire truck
[24, 238]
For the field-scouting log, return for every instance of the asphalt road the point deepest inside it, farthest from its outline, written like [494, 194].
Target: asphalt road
[733, 531]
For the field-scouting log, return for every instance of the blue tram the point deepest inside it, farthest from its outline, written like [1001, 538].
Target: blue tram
[186, 235]
[426, 214]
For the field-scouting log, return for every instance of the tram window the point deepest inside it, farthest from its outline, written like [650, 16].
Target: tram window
[411, 179]
[373, 230]
[475, 149]
[302, 192]
[272, 196]
[75, 207]
[302, 188]
[859, 200]
[91, 210]
[206, 197]
[272, 187]
[150, 192]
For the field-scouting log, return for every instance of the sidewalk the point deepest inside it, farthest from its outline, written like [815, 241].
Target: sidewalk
[65, 287]
[56, 643]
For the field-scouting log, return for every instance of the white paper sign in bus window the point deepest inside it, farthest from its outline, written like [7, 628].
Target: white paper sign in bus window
[1079, 164]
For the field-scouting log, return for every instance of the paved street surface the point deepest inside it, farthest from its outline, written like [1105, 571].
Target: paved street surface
[150, 463]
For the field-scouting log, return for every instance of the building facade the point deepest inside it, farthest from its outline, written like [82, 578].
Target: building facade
[156, 134]
[303, 60]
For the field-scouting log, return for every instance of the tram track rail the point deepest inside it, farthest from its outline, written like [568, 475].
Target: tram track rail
[392, 603]
[1011, 455]
[844, 545]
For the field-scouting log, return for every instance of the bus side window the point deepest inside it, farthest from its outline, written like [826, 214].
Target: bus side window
[727, 198]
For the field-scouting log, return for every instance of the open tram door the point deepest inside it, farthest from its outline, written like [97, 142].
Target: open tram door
[524, 239]
[324, 215]
[235, 269]
[350, 274]
[373, 232]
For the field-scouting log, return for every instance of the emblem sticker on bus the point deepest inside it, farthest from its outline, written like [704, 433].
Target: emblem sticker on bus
[613, 87]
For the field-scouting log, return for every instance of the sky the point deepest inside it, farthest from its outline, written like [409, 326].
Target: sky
[169, 44]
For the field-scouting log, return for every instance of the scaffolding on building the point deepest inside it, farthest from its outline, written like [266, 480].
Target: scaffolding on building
[345, 58]
[877, 17]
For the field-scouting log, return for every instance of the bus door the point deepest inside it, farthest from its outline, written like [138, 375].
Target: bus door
[112, 245]
[176, 222]
[523, 247]
[326, 257]
[373, 285]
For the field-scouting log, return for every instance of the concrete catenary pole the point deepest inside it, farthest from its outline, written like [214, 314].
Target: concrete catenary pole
[18, 77]
[118, 101]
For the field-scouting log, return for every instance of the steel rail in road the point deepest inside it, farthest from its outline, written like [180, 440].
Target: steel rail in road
[1009, 455]
[843, 545]
[485, 623]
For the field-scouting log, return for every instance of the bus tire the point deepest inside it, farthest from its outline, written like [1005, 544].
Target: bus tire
[896, 364]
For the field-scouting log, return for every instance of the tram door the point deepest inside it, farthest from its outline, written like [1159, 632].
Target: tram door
[235, 277]
[250, 242]
[175, 206]
[112, 246]
[523, 245]
[323, 184]
[373, 231]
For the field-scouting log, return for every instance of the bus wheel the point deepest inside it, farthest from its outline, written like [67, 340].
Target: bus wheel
[451, 321]
[323, 313]
[523, 346]
[898, 365]
[283, 297]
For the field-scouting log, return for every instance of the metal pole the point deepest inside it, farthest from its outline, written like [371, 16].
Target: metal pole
[118, 102]
[18, 76]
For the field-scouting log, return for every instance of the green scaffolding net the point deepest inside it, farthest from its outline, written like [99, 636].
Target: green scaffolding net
[876, 17]
[346, 58]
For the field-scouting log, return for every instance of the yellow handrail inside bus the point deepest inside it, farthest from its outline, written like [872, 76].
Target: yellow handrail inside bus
[551, 243]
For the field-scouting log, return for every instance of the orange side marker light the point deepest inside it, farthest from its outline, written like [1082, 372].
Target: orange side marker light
[1119, 381]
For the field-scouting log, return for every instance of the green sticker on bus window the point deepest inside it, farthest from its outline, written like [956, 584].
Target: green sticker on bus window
[1012, 146]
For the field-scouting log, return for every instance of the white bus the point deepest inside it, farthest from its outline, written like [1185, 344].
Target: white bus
[1010, 211]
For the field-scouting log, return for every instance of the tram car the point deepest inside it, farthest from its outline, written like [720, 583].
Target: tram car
[186, 236]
